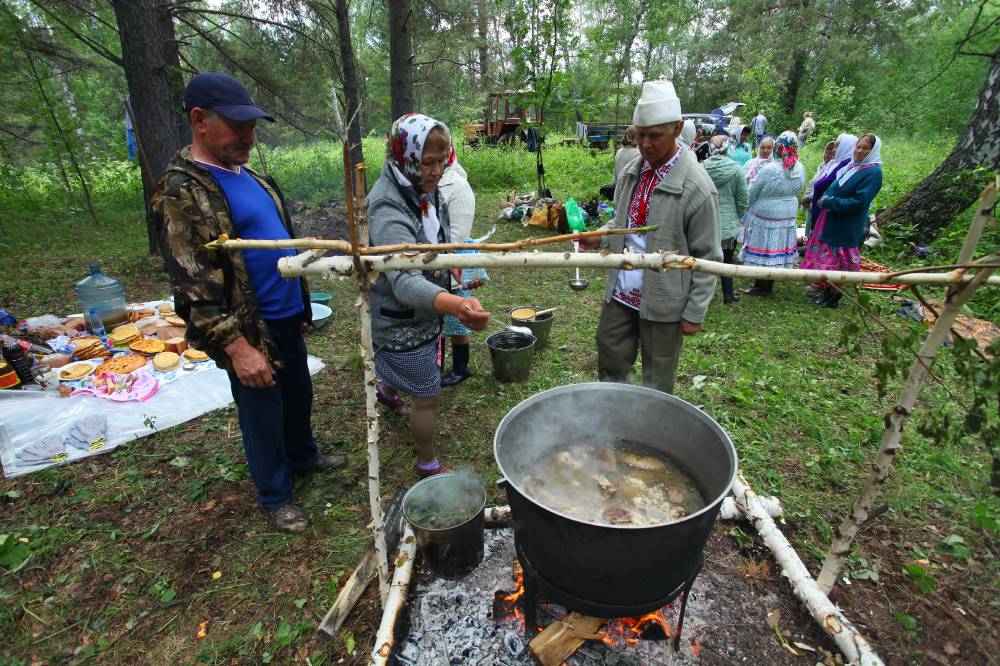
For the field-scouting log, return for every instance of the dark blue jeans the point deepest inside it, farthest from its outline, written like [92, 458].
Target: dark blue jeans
[275, 421]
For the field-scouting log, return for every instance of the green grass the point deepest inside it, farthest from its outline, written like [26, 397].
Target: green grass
[122, 548]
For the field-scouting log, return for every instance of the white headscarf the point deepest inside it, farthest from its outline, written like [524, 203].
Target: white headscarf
[845, 148]
[688, 132]
[873, 157]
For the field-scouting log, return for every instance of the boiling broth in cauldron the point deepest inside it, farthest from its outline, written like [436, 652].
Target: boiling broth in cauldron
[620, 484]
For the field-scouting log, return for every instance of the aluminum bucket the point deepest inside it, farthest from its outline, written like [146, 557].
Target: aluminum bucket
[449, 550]
[511, 354]
[539, 327]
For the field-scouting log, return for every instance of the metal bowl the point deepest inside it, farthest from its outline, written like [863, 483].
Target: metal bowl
[578, 284]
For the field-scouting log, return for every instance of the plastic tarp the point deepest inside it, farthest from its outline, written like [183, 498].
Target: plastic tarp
[28, 416]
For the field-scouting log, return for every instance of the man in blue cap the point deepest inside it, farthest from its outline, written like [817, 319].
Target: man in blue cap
[238, 308]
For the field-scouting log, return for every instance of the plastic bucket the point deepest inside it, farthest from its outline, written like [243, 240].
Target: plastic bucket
[456, 504]
[540, 327]
[511, 354]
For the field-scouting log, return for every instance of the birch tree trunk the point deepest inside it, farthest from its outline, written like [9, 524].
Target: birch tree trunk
[954, 185]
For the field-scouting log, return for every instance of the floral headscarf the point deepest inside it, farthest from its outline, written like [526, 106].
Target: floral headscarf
[403, 151]
[405, 146]
[787, 148]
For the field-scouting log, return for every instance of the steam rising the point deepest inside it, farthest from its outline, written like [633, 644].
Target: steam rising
[444, 500]
[602, 414]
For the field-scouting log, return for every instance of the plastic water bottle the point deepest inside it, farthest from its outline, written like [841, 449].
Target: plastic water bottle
[97, 325]
[470, 275]
[103, 296]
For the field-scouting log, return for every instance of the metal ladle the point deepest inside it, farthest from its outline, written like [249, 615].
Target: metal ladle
[578, 284]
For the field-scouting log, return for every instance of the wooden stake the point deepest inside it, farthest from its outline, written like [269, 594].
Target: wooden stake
[562, 638]
[895, 421]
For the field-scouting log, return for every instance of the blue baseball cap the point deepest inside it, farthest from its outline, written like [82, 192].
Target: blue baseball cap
[224, 95]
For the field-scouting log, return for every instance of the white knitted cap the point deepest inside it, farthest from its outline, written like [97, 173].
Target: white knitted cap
[659, 104]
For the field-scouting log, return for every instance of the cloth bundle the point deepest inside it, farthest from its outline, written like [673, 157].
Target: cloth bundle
[90, 431]
[85, 434]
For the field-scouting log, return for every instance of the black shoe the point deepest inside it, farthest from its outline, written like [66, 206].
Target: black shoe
[453, 378]
[730, 299]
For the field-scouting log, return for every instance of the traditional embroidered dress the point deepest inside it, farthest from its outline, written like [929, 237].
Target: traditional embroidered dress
[769, 238]
[628, 288]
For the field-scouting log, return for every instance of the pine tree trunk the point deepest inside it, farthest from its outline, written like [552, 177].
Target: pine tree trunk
[352, 91]
[400, 58]
[955, 184]
[145, 30]
[484, 51]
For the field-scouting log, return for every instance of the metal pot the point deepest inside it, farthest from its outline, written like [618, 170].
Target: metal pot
[604, 566]
[455, 550]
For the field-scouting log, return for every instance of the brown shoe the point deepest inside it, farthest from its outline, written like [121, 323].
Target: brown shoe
[289, 518]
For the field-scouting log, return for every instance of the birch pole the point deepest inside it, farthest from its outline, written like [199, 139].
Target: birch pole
[896, 419]
[360, 226]
[849, 640]
[291, 267]
[385, 638]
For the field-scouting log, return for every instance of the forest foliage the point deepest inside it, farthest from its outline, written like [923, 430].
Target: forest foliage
[590, 56]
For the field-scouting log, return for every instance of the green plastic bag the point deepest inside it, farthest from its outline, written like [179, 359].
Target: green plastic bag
[574, 216]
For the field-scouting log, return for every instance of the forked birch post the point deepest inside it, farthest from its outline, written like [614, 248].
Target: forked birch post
[360, 229]
[895, 420]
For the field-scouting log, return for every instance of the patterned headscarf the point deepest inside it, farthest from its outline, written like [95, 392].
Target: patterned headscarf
[720, 144]
[787, 148]
[405, 146]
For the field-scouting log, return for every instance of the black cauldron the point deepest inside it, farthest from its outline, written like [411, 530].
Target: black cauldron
[599, 569]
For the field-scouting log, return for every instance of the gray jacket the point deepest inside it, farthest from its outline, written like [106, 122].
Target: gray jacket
[685, 205]
[403, 315]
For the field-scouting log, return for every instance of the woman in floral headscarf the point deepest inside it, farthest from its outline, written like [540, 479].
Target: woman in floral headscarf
[844, 214]
[405, 206]
[769, 238]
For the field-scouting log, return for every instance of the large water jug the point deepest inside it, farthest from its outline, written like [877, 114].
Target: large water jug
[103, 297]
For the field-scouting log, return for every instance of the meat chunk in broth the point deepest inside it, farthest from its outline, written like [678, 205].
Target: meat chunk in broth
[613, 485]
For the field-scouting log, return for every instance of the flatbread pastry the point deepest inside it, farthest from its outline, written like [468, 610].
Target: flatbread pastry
[147, 346]
[75, 371]
[166, 361]
[195, 355]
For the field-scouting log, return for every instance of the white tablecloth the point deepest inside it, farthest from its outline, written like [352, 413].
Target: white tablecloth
[26, 416]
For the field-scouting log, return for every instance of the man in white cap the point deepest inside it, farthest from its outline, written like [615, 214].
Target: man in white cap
[663, 187]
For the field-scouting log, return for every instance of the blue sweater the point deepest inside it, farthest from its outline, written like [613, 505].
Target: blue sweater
[847, 207]
[256, 217]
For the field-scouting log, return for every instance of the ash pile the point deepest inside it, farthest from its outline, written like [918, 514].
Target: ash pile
[466, 622]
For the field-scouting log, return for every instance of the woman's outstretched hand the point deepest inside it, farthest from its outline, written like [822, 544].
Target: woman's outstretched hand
[472, 314]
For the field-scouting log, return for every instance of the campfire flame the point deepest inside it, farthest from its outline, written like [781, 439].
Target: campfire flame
[651, 626]
[626, 630]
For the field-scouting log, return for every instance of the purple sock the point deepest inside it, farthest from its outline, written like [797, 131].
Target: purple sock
[427, 467]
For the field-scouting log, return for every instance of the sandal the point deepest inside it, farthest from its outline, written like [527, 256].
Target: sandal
[392, 400]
